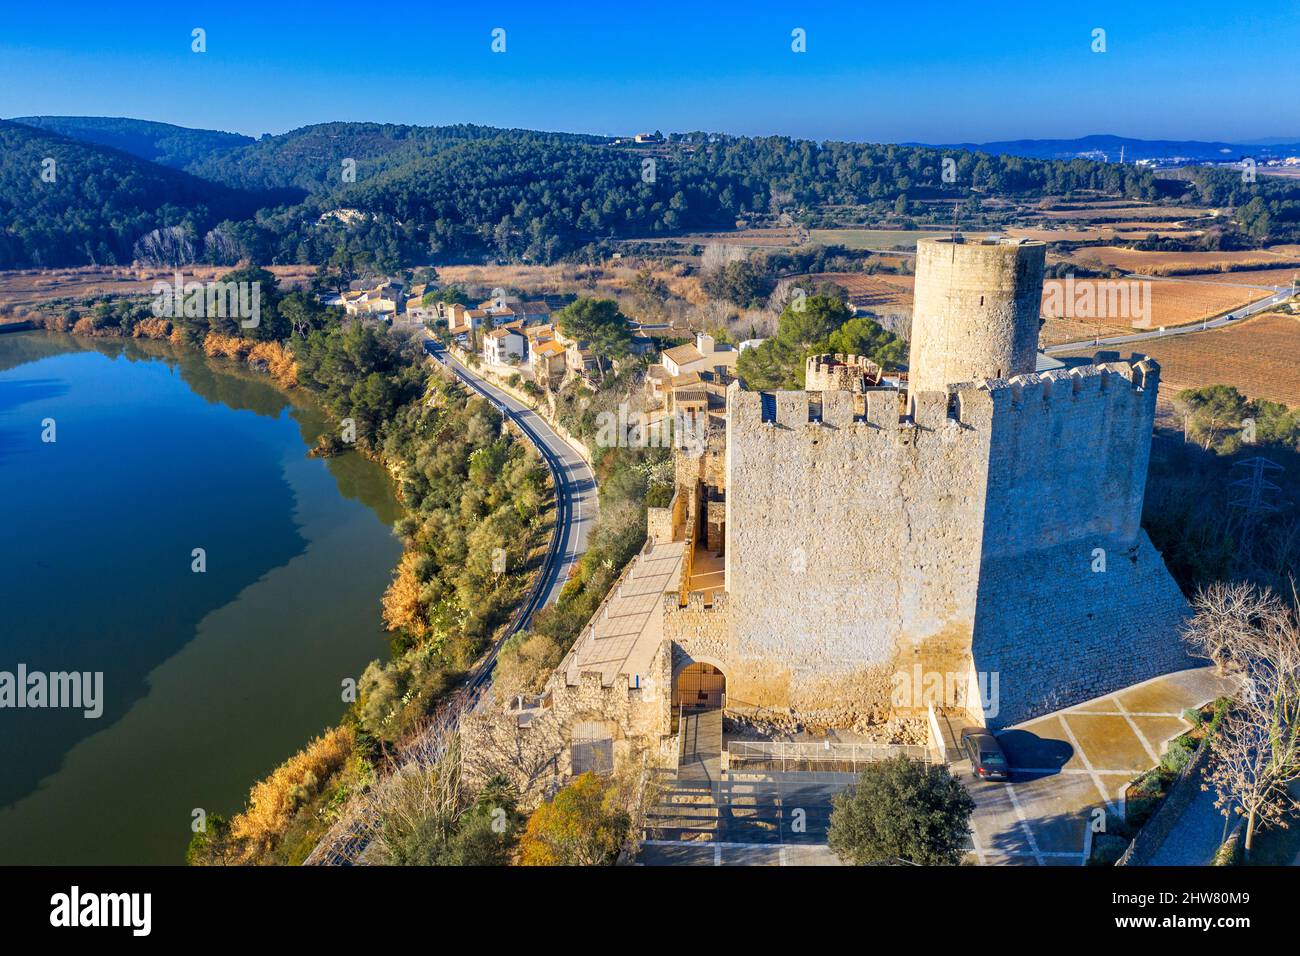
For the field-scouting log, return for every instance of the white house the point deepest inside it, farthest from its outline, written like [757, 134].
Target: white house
[704, 356]
[500, 346]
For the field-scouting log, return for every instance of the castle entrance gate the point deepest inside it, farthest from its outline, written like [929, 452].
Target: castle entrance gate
[700, 686]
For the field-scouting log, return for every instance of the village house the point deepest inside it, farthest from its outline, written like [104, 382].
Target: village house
[537, 335]
[503, 308]
[703, 368]
[377, 299]
[548, 363]
[503, 346]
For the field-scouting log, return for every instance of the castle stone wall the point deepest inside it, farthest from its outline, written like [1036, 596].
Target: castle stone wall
[1073, 600]
[860, 547]
[839, 373]
[852, 546]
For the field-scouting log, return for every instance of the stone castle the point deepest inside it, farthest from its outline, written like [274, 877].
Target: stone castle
[833, 549]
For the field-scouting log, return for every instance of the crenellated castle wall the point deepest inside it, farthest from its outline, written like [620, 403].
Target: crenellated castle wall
[851, 542]
[859, 545]
[1074, 600]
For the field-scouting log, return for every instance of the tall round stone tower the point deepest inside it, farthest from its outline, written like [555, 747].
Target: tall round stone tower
[976, 310]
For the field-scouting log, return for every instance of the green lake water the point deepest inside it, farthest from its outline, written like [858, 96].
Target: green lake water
[209, 679]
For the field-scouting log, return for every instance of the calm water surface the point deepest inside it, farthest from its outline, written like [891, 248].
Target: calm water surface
[210, 680]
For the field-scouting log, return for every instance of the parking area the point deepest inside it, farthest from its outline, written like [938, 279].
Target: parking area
[1069, 765]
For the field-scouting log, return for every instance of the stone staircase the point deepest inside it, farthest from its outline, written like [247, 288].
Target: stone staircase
[685, 811]
[744, 807]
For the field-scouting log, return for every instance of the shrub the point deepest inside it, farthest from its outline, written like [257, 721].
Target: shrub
[583, 825]
[525, 661]
[903, 809]
[1178, 754]
[274, 801]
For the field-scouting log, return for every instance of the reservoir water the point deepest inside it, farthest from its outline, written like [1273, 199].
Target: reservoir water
[210, 679]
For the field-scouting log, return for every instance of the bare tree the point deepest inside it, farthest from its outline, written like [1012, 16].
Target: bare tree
[1225, 615]
[417, 795]
[220, 248]
[1256, 750]
[718, 255]
[172, 246]
[526, 757]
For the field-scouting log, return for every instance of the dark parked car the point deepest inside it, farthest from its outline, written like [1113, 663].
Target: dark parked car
[987, 761]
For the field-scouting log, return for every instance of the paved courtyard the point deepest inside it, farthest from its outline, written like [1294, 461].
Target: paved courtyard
[668, 853]
[1068, 765]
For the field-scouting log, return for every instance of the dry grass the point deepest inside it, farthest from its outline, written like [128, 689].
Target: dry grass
[1257, 356]
[611, 278]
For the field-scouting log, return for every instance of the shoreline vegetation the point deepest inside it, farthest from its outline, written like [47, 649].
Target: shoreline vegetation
[478, 511]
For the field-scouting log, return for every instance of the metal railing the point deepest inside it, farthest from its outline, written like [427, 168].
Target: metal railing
[786, 755]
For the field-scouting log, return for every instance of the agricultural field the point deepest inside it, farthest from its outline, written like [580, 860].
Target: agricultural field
[876, 240]
[1177, 263]
[1256, 355]
[25, 288]
[1278, 278]
[880, 293]
[1115, 211]
[1128, 232]
[762, 238]
[1168, 303]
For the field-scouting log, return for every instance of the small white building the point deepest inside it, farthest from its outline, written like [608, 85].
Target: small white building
[500, 346]
[704, 356]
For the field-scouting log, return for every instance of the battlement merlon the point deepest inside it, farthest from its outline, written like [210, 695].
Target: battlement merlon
[1120, 378]
[971, 404]
[840, 372]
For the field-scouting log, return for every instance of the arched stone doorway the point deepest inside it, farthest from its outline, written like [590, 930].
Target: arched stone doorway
[700, 686]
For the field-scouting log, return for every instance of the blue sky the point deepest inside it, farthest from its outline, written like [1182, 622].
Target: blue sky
[932, 71]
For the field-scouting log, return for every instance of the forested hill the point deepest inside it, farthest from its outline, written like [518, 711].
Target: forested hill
[470, 191]
[312, 158]
[175, 146]
[64, 202]
[1133, 149]
[425, 194]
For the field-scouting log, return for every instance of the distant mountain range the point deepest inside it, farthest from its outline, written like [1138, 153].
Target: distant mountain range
[1109, 147]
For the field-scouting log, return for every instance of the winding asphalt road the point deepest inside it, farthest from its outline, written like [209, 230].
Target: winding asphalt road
[577, 503]
[576, 507]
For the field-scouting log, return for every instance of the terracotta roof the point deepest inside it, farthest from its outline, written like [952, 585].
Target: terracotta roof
[549, 348]
[684, 354]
